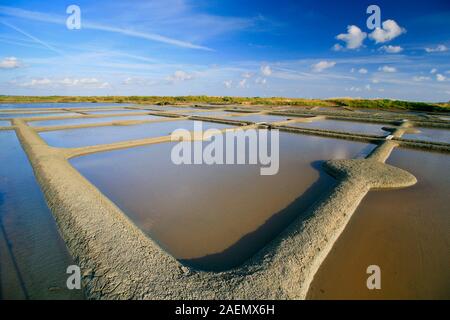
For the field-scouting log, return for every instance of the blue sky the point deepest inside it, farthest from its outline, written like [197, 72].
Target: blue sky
[311, 49]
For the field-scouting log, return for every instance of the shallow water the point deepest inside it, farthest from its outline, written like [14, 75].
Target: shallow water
[404, 231]
[214, 217]
[4, 123]
[58, 105]
[33, 257]
[209, 113]
[429, 134]
[32, 115]
[262, 118]
[102, 135]
[92, 120]
[172, 108]
[345, 126]
[106, 112]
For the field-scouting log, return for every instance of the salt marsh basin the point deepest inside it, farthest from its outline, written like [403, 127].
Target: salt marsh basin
[219, 231]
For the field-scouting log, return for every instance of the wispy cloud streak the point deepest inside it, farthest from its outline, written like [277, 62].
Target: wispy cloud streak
[39, 16]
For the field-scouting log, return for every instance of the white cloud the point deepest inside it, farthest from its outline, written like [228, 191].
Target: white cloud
[36, 83]
[9, 63]
[260, 81]
[389, 30]
[353, 39]
[440, 77]
[91, 83]
[266, 70]
[228, 83]
[433, 71]
[179, 75]
[337, 47]
[392, 49]
[387, 69]
[421, 78]
[363, 71]
[243, 83]
[368, 87]
[322, 65]
[438, 48]
[138, 81]
[375, 81]
[61, 19]
[353, 89]
[247, 75]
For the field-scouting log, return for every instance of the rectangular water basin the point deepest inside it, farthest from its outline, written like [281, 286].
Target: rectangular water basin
[403, 231]
[262, 118]
[33, 257]
[214, 217]
[80, 137]
[32, 115]
[430, 134]
[344, 126]
[70, 122]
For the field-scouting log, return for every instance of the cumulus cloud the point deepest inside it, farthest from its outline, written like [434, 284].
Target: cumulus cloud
[353, 39]
[228, 83]
[243, 83]
[389, 30]
[391, 49]
[179, 75]
[9, 63]
[363, 71]
[247, 75]
[387, 69]
[439, 48]
[92, 83]
[440, 77]
[266, 70]
[322, 65]
[433, 71]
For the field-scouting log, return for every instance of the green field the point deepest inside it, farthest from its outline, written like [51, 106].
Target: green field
[381, 104]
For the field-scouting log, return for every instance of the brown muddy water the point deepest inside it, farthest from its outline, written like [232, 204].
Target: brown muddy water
[214, 217]
[406, 232]
[345, 126]
[69, 122]
[33, 257]
[429, 134]
[81, 137]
